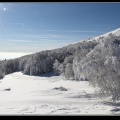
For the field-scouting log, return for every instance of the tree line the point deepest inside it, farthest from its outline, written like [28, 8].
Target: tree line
[97, 61]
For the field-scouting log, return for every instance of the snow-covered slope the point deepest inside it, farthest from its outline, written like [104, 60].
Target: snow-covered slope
[95, 59]
[42, 62]
[115, 32]
[38, 95]
[101, 66]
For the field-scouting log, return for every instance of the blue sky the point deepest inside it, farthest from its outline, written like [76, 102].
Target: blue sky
[32, 27]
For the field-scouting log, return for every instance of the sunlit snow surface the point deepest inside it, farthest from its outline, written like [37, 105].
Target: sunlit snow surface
[37, 96]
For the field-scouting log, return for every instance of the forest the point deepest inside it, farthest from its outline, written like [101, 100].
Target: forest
[97, 61]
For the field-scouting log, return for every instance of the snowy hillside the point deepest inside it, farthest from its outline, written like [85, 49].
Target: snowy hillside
[45, 95]
[94, 62]
[114, 32]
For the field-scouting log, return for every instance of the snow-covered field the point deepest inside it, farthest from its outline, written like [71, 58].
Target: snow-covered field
[22, 94]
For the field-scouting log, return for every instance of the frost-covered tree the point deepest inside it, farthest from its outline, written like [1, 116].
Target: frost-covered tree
[1, 74]
[69, 59]
[42, 62]
[69, 74]
[56, 67]
[101, 67]
[8, 66]
[62, 69]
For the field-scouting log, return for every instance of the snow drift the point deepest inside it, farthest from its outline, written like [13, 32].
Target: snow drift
[32, 95]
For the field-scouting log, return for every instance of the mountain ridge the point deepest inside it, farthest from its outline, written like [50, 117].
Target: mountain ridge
[96, 60]
[76, 46]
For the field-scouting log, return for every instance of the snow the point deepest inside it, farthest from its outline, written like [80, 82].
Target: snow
[36, 95]
[115, 32]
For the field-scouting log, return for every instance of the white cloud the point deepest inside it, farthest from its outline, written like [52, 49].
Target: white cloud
[50, 30]
[73, 31]
[85, 31]
[20, 40]
[43, 36]
[19, 24]
[100, 25]
[33, 36]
